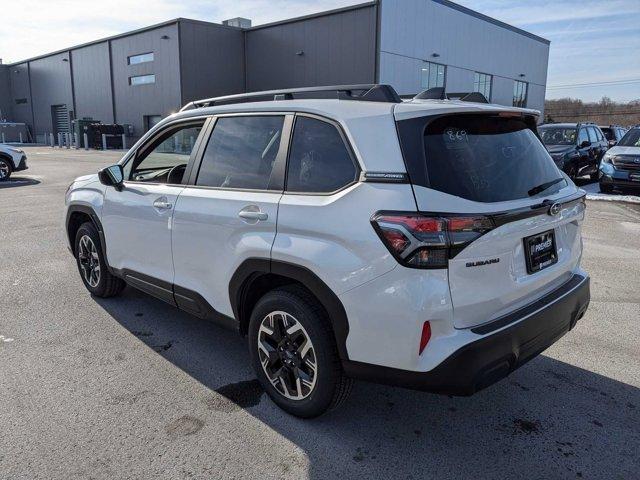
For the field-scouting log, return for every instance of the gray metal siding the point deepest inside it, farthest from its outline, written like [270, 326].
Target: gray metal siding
[50, 85]
[337, 49]
[132, 103]
[19, 82]
[92, 82]
[413, 30]
[211, 59]
[5, 93]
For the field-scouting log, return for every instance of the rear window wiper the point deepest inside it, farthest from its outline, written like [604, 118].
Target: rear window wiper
[543, 187]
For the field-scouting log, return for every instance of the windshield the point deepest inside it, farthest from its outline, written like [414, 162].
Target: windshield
[488, 159]
[631, 138]
[558, 135]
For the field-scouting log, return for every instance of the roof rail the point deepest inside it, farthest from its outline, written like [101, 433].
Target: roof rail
[364, 93]
[439, 93]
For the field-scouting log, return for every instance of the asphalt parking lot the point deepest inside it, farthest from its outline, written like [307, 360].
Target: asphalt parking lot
[132, 388]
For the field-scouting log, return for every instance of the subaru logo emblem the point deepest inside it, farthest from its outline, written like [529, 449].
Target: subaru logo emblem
[555, 209]
[637, 159]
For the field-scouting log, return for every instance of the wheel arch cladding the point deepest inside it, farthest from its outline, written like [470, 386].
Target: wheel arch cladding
[256, 276]
[8, 159]
[76, 216]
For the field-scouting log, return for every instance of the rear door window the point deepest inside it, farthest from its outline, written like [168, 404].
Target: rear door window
[242, 153]
[609, 133]
[488, 159]
[319, 160]
[582, 136]
[599, 134]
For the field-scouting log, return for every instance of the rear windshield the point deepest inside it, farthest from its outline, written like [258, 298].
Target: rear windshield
[488, 159]
[631, 138]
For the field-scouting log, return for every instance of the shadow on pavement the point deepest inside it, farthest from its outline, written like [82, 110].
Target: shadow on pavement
[16, 181]
[547, 420]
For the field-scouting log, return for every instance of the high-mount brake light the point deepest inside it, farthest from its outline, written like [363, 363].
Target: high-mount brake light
[428, 241]
[510, 114]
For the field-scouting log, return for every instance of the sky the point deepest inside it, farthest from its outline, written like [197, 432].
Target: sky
[595, 44]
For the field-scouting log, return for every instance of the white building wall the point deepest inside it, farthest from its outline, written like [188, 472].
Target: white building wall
[411, 31]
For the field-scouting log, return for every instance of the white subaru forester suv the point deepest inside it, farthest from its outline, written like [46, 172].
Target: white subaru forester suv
[430, 243]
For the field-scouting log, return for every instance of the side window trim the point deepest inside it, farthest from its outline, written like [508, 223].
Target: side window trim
[132, 156]
[345, 141]
[279, 169]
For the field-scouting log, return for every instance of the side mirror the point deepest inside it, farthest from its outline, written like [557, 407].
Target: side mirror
[586, 143]
[112, 176]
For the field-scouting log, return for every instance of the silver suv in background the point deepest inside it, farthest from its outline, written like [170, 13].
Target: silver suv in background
[11, 160]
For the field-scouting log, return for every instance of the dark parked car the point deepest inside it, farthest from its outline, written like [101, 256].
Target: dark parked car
[575, 147]
[620, 166]
[613, 133]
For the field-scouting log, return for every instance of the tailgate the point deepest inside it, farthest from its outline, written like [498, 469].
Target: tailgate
[491, 276]
[491, 165]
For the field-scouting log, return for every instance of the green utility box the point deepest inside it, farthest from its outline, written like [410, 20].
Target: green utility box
[80, 126]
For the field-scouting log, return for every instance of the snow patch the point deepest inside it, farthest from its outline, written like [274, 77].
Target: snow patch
[593, 193]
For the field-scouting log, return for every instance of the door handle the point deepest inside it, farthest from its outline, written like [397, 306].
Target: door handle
[162, 204]
[253, 212]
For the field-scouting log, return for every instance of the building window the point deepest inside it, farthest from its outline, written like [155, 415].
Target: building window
[520, 94]
[142, 79]
[432, 75]
[482, 84]
[142, 58]
[20, 101]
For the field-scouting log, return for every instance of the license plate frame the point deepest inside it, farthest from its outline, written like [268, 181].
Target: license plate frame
[537, 253]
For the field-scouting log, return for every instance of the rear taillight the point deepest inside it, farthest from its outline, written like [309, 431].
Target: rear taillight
[428, 241]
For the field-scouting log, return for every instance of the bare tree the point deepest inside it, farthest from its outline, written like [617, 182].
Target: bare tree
[604, 112]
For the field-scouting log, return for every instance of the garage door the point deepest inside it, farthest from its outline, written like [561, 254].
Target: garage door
[60, 119]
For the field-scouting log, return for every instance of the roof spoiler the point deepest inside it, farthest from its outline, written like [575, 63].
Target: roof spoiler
[438, 93]
[363, 93]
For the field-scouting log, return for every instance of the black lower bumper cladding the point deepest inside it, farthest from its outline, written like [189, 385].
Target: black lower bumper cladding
[22, 165]
[530, 331]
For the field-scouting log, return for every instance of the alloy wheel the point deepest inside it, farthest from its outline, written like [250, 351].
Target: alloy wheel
[89, 261]
[4, 170]
[287, 355]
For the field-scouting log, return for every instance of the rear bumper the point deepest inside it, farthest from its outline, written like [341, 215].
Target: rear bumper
[509, 342]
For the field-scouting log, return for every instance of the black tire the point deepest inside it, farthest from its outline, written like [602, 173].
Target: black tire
[107, 285]
[331, 387]
[606, 188]
[5, 169]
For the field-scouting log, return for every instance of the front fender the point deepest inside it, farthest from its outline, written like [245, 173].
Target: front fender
[87, 198]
